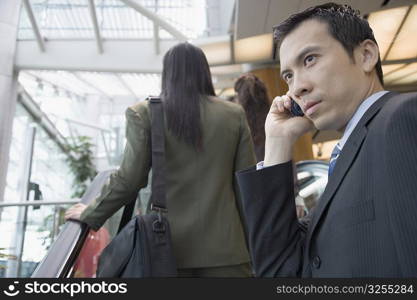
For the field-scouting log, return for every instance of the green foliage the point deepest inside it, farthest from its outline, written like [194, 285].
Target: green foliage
[7, 256]
[3, 255]
[81, 164]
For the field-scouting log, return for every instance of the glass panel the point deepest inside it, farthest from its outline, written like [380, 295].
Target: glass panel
[63, 19]
[120, 21]
[50, 170]
[25, 28]
[32, 229]
[14, 172]
[26, 233]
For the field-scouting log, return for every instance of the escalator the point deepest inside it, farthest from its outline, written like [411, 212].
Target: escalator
[76, 249]
[311, 181]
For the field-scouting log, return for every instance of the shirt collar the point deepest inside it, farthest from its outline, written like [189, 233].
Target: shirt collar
[359, 114]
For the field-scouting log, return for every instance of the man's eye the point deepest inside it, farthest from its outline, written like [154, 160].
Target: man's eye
[287, 77]
[309, 59]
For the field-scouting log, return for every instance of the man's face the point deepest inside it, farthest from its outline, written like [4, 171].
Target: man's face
[321, 76]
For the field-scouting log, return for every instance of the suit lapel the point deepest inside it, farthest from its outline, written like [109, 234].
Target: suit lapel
[344, 162]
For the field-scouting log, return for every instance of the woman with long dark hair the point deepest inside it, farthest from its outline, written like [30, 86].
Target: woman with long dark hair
[253, 96]
[207, 140]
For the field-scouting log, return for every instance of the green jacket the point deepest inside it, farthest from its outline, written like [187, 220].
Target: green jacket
[201, 193]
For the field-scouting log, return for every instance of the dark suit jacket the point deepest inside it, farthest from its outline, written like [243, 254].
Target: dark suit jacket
[365, 224]
[201, 197]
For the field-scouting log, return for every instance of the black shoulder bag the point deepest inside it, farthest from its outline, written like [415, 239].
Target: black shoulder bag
[143, 248]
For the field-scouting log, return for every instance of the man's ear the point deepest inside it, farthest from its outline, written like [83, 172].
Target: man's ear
[368, 55]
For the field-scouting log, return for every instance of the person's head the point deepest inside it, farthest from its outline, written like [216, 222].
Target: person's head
[329, 56]
[186, 79]
[253, 96]
[251, 91]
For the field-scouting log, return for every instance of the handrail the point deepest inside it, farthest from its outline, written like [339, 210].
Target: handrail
[64, 250]
[39, 203]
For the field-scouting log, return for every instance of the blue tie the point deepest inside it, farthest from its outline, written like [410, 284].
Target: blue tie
[333, 158]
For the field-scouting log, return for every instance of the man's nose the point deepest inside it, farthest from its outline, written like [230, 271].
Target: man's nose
[301, 86]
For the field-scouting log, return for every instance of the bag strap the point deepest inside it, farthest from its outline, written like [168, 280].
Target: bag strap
[127, 214]
[158, 196]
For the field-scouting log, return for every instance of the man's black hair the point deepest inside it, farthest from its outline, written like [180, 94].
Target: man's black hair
[344, 23]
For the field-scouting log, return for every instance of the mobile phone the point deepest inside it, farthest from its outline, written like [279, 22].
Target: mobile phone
[296, 110]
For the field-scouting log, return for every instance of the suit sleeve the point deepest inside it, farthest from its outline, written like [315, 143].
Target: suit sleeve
[276, 238]
[124, 184]
[401, 163]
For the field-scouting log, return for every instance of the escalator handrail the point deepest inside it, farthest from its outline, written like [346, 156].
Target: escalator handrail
[304, 163]
[64, 250]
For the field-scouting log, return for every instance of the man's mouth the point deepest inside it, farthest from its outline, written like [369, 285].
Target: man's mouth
[310, 107]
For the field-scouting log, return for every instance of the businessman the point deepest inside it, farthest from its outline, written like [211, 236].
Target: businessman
[365, 224]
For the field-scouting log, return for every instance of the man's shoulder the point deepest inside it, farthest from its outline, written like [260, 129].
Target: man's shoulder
[400, 111]
[405, 96]
[400, 102]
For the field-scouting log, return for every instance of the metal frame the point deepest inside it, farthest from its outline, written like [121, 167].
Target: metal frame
[35, 27]
[18, 241]
[156, 19]
[40, 117]
[97, 35]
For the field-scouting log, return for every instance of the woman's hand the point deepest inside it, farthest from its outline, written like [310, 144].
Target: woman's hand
[75, 211]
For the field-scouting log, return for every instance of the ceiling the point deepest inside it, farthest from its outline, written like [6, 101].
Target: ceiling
[264, 14]
[90, 40]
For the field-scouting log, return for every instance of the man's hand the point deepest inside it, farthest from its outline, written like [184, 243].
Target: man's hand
[75, 211]
[282, 131]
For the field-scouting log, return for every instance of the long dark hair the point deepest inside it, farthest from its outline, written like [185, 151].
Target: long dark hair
[253, 96]
[186, 80]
